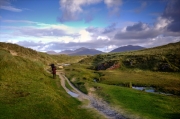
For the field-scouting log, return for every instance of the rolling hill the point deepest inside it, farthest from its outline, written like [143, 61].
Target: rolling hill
[113, 76]
[151, 58]
[27, 91]
[158, 59]
[127, 48]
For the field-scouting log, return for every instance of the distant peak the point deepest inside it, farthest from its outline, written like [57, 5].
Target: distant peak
[83, 48]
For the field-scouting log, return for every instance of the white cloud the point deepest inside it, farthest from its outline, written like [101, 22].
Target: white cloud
[25, 22]
[6, 5]
[113, 3]
[103, 38]
[72, 8]
[161, 40]
[40, 36]
[12, 41]
[45, 33]
[111, 47]
[162, 23]
[11, 8]
[66, 39]
[85, 36]
[113, 6]
[75, 6]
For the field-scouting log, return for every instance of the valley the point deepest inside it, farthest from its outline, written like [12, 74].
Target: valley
[27, 90]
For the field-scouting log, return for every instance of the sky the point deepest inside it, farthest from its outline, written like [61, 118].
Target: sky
[58, 25]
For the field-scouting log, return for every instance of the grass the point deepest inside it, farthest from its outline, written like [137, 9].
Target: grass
[80, 71]
[163, 81]
[43, 101]
[145, 105]
[168, 82]
[81, 76]
[28, 91]
[67, 59]
[146, 70]
[133, 102]
[163, 58]
[26, 53]
[68, 86]
[80, 85]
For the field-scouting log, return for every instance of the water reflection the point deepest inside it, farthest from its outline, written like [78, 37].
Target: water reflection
[146, 89]
[72, 94]
[149, 90]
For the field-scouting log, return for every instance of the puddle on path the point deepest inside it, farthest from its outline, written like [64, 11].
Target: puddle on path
[72, 94]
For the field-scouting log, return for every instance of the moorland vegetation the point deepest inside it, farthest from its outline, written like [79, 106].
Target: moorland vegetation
[113, 75]
[27, 90]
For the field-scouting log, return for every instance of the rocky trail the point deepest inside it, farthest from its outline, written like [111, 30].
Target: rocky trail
[101, 106]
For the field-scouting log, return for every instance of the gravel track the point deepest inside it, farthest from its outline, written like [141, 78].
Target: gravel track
[98, 104]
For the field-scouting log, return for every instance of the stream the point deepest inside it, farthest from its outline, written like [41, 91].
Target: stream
[149, 90]
[99, 105]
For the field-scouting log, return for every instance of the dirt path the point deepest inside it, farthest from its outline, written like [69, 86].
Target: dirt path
[80, 95]
[101, 106]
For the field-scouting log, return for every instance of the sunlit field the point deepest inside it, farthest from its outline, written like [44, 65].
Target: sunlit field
[115, 85]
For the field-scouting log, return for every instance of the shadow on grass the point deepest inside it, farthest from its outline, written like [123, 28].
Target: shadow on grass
[174, 115]
[51, 76]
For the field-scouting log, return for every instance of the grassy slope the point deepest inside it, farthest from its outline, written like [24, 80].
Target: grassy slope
[81, 76]
[148, 59]
[26, 53]
[27, 91]
[146, 105]
[143, 63]
[67, 59]
[162, 81]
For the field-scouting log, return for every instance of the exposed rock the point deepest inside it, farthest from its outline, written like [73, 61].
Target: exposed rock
[108, 65]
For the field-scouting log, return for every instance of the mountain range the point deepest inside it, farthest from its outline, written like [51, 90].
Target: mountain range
[51, 52]
[83, 51]
[80, 51]
[86, 51]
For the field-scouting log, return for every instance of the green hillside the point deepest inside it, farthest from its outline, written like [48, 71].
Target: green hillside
[62, 58]
[27, 91]
[113, 75]
[163, 61]
[163, 58]
[26, 53]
